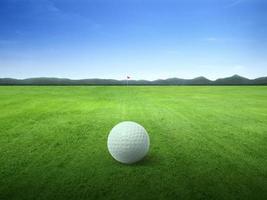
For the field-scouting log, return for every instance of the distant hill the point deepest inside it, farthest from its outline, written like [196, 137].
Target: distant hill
[199, 81]
[178, 81]
[233, 80]
[260, 81]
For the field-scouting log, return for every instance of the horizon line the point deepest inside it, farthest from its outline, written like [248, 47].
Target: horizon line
[237, 75]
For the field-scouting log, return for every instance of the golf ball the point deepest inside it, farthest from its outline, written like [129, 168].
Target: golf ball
[128, 142]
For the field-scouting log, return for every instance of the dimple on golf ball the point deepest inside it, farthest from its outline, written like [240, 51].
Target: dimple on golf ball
[128, 142]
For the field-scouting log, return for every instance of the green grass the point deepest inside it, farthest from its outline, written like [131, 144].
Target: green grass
[206, 143]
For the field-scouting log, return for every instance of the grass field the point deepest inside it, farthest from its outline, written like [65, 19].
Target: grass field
[206, 143]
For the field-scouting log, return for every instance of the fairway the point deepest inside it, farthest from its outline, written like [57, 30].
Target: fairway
[206, 142]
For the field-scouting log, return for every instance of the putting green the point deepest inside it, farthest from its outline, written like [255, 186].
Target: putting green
[206, 142]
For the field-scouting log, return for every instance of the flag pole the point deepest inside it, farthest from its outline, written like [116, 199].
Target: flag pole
[127, 80]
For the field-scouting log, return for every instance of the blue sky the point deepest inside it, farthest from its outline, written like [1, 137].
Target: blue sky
[146, 39]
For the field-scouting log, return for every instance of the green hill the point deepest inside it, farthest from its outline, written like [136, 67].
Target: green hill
[233, 80]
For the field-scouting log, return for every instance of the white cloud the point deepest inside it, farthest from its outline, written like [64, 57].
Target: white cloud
[234, 3]
[211, 39]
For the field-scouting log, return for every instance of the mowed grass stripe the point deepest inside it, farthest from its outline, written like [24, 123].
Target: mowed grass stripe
[219, 146]
[54, 131]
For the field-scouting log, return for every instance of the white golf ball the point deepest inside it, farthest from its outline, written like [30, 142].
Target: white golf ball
[128, 142]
